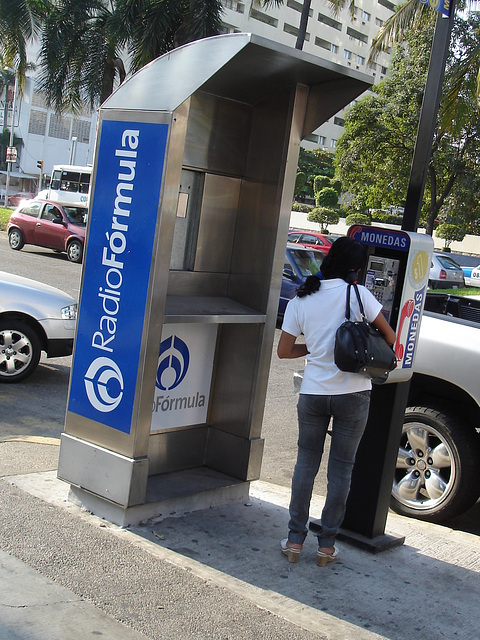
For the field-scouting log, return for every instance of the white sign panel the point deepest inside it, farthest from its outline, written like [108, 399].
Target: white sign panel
[184, 375]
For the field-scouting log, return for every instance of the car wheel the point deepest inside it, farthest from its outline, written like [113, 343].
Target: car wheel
[20, 350]
[15, 239]
[75, 251]
[436, 476]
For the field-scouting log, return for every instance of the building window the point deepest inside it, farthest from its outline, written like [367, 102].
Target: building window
[81, 130]
[360, 60]
[333, 143]
[38, 99]
[59, 127]
[384, 71]
[353, 33]
[326, 45]
[379, 22]
[312, 138]
[330, 21]
[366, 16]
[387, 4]
[298, 6]
[372, 66]
[38, 122]
[263, 17]
[293, 31]
[340, 122]
[239, 7]
[322, 140]
[347, 54]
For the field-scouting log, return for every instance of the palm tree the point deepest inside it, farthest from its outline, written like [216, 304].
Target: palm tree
[84, 42]
[153, 27]
[20, 21]
[79, 54]
[336, 5]
[409, 16]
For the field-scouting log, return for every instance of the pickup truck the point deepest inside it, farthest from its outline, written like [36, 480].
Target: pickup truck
[437, 475]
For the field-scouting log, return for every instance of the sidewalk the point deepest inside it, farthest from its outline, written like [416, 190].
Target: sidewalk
[216, 574]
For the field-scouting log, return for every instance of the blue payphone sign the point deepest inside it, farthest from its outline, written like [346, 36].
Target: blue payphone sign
[442, 6]
[376, 237]
[117, 270]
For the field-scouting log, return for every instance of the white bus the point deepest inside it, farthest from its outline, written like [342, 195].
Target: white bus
[69, 183]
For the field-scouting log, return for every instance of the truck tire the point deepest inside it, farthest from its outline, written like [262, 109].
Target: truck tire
[436, 476]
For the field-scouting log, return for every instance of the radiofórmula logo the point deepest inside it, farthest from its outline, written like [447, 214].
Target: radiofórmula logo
[103, 373]
[173, 363]
[104, 384]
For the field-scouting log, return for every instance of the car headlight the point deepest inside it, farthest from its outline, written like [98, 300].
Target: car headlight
[70, 312]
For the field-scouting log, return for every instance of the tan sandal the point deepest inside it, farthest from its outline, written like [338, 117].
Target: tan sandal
[324, 558]
[291, 553]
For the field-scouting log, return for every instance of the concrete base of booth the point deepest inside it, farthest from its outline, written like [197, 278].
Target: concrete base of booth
[379, 543]
[170, 494]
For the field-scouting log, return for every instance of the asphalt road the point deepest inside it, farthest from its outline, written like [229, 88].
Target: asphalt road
[36, 407]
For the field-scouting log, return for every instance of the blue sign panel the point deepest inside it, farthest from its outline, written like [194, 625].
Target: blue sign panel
[443, 6]
[116, 272]
[387, 238]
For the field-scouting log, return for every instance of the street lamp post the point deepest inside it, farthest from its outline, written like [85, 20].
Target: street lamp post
[12, 127]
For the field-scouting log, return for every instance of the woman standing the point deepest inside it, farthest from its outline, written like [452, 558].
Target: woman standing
[316, 312]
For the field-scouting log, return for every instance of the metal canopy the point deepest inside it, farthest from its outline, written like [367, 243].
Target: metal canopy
[241, 67]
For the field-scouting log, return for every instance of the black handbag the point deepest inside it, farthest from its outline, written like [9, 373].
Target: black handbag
[361, 348]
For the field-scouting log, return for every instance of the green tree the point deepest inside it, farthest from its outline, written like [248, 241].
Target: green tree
[84, 41]
[326, 197]
[373, 156]
[320, 182]
[300, 183]
[450, 233]
[324, 216]
[314, 162]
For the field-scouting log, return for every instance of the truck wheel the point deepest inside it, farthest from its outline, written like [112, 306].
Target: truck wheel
[436, 476]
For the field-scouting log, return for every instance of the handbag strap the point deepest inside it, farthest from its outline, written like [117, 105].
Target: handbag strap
[360, 304]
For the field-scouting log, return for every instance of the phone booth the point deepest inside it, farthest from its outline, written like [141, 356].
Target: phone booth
[194, 172]
[397, 271]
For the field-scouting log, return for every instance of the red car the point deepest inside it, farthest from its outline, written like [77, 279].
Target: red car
[54, 225]
[18, 199]
[312, 239]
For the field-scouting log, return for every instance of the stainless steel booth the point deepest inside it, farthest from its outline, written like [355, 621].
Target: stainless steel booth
[195, 164]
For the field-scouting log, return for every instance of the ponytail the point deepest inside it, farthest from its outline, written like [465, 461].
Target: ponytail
[311, 285]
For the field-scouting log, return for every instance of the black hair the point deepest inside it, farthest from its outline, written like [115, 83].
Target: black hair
[345, 258]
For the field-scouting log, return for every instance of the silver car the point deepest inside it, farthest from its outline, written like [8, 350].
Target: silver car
[34, 317]
[445, 273]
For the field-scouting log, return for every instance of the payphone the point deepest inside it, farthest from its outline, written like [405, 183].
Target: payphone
[396, 273]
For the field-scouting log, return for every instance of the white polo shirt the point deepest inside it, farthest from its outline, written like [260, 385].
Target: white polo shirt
[318, 317]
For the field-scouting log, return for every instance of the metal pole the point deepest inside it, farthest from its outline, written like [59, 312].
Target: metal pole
[12, 127]
[428, 120]
[73, 150]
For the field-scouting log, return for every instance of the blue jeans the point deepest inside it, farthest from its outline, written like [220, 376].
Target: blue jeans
[350, 413]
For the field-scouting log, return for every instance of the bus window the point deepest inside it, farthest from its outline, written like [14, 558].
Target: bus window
[56, 179]
[84, 182]
[70, 181]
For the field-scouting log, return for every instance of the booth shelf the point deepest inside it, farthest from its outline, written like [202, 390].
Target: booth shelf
[209, 309]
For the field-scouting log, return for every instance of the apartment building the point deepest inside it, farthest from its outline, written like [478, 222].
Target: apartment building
[338, 37]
